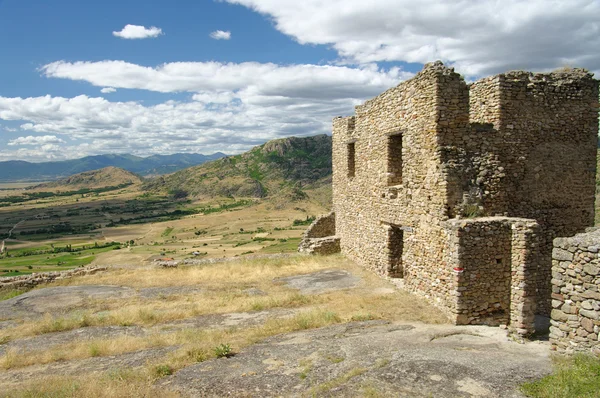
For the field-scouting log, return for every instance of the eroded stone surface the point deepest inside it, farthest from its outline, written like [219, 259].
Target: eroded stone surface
[322, 281]
[49, 340]
[391, 359]
[90, 365]
[158, 292]
[58, 299]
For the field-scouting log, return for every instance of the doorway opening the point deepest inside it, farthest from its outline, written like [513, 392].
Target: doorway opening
[395, 251]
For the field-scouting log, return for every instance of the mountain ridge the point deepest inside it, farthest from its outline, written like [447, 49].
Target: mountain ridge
[20, 170]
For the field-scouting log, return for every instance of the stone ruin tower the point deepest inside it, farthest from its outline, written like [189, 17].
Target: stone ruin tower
[461, 188]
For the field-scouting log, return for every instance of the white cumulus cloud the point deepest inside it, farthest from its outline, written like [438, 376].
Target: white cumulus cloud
[479, 37]
[232, 107]
[108, 90]
[304, 80]
[221, 35]
[138, 32]
[36, 140]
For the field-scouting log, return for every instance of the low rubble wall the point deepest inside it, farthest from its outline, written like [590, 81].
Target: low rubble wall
[32, 280]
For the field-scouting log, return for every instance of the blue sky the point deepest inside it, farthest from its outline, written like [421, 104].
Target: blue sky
[70, 86]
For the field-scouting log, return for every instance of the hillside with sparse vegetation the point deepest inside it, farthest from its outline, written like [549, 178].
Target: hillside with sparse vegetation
[283, 167]
[101, 178]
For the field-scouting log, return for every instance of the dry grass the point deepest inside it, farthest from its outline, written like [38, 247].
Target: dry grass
[222, 291]
[118, 383]
[223, 288]
[217, 276]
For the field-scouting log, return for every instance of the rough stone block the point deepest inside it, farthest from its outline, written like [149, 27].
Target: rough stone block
[561, 254]
[559, 315]
[587, 324]
[591, 269]
[590, 314]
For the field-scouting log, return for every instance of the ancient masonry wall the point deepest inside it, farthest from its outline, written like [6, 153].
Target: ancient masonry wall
[531, 153]
[516, 145]
[375, 214]
[319, 237]
[575, 324]
[494, 260]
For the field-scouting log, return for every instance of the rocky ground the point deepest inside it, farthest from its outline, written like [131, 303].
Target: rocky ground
[373, 357]
[360, 358]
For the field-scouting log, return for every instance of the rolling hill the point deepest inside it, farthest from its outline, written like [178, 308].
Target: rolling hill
[284, 166]
[105, 177]
[17, 170]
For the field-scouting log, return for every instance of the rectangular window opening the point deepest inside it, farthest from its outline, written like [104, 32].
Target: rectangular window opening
[395, 250]
[394, 158]
[351, 159]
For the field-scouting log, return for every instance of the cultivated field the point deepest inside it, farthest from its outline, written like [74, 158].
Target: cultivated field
[129, 227]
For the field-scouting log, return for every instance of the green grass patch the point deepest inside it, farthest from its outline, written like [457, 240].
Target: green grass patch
[167, 232]
[289, 246]
[577, 376]
[8, 294]
[11, 266]
[307, 221]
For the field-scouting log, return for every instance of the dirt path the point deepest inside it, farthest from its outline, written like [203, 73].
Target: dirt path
[14, 227]
[3, 245]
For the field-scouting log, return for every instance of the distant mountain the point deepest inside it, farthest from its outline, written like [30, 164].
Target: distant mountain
[106, 177]
[280, 167]
[17, 170]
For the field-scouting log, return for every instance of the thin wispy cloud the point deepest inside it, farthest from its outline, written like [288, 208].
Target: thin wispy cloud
[138, 32]
[221, 35]
[108, 90]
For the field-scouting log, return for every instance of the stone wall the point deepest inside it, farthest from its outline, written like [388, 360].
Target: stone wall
[319, 237]
[575, 323]
[493, 273]
[366, 205]
[322, 226]
[32, 280]
[322, 246]
[516, 145]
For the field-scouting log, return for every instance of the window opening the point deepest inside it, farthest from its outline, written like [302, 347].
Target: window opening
[351, 159]
[394, 171]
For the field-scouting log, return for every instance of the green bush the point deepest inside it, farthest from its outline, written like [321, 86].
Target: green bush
[223, 351]
[163, 370]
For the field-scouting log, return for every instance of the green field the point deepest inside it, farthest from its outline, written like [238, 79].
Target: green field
[289, 246]
[19, 264]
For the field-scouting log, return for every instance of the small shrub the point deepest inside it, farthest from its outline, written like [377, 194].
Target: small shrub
[197, 355]
[308, 221]
[163, 370]
[222, 351]
[471, 210]
[94, 350]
